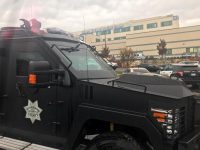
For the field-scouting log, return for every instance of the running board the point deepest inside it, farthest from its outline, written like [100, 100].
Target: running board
[13, 144]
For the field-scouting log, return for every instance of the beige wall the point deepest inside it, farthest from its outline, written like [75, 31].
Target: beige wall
[113, 46]
[150, 52]
[177, 39]
[178, 51]
[90, 38]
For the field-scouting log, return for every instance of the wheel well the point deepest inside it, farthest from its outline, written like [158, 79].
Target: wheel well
[96, 127]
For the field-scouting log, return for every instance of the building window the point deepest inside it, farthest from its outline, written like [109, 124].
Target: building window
[138, 27]
[152, 25]
[109, 39]
[187, 50]
[166, 23]
[196, 49]
[98, 40]
[169, 52]
[192, 50]
[104, 32]
[123, 29]
[120, 38]
[175, 17]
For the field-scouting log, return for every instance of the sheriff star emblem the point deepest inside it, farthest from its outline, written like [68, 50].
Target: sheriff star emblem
[33, 111]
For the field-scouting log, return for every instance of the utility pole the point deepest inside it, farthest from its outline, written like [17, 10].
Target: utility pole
[105, 41]
[84, 29]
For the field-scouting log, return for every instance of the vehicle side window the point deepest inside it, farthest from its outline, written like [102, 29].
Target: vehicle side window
[170, 68]
[26, 54]
[166, 68]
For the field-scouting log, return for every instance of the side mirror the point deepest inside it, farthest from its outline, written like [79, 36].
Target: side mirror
[38, 72]
[41, 74]
[66, 79]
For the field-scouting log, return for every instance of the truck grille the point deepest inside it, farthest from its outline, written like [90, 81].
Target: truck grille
[182, 120]
[190, 114]
[172, 121]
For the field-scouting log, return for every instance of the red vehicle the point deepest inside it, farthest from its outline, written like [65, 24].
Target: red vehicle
[190, 74]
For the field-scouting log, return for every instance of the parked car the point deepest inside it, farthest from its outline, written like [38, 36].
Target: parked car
[139, 56]
[190, 62]
[185, 55]
[139, 70]
[142, 71]
[189, 73]
[149, 67]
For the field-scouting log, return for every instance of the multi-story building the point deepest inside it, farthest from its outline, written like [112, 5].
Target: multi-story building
[142, 36]
[180, 41]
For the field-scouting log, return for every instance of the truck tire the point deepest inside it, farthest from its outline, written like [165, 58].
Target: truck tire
[114, 141]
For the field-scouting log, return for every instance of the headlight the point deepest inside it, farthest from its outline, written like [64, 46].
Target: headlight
[171, 121]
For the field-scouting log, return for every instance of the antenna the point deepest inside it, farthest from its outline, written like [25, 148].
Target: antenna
[31, 11]
[86, 53]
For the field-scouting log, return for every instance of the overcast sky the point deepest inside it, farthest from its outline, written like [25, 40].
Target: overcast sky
[69, 14]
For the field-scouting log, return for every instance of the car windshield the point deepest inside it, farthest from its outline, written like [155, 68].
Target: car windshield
[85, 63]
[140, 70]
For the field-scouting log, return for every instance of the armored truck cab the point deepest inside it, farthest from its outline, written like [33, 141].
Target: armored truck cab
[57, 92]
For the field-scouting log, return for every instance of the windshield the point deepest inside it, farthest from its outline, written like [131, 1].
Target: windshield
[85, 63]
[140, 70]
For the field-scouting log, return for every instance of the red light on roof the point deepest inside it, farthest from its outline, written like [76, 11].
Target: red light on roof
[35, 25]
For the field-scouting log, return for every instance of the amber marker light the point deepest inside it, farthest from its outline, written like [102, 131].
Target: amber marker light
[32, 79]
[159, 115]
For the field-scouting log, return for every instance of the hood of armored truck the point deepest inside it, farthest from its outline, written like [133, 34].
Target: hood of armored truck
[155, 85]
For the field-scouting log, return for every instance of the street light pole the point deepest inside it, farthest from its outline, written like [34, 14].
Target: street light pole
[105, 41]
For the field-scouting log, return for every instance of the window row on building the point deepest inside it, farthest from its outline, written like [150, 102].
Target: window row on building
[192, 50]
[137, 27]
[109, 39]
[123, 29]
[104, 32]
[169, 52]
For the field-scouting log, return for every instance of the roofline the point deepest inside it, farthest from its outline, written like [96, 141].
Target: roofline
[163, 30]
[129, 21]
[153, 18]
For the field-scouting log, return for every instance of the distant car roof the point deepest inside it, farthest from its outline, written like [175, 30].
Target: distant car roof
[182, 64]
[188, 62]
[139, 69]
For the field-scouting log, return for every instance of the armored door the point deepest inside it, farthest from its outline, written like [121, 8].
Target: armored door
[31, 109]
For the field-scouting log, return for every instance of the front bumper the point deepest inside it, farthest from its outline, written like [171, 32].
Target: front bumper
[191, 141]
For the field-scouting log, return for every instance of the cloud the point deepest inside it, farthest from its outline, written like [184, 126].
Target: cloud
[68, 14]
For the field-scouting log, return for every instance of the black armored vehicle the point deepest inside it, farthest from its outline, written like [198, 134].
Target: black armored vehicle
[57, 93]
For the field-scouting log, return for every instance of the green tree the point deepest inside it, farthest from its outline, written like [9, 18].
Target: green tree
[126, 56]
[161, 47]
